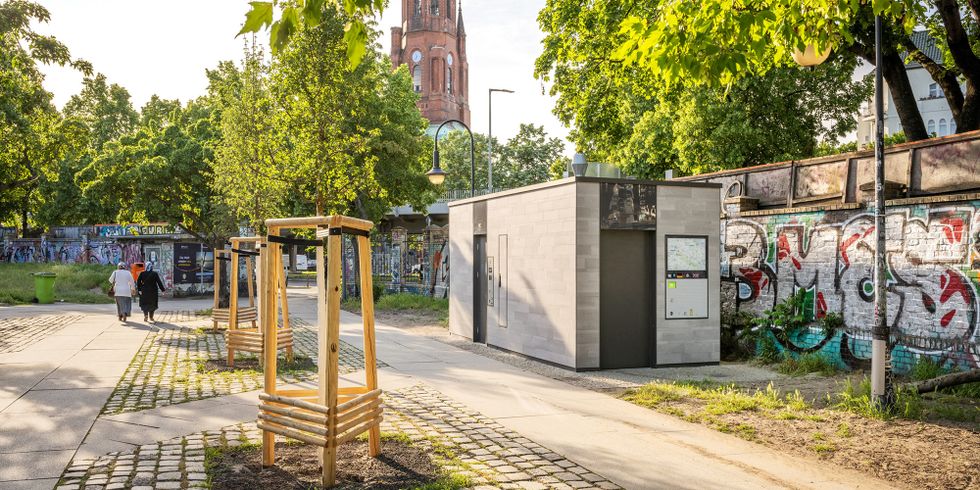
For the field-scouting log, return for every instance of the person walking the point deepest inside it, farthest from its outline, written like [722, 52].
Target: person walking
[122, 290]
[149, 286]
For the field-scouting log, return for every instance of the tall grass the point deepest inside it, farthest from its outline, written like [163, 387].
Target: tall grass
[76, 283]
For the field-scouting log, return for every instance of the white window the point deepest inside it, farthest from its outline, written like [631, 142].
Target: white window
[449, 80]
[931, 127]
[933, 90]
[417, 78]
[942, 127]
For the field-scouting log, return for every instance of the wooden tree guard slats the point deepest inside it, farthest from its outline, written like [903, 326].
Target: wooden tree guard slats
[296, 413]
[269, 430]
[336, 415]
[366, 426]
[358, 417]
[294, 423]
[234, 314]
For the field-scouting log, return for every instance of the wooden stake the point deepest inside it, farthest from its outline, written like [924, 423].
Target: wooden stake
[217, 287]
[334, 279]
[233, 301]
[367, 312]
[269, 314]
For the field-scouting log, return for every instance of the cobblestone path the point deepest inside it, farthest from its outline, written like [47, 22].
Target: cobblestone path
[491, 455]
[169, 367]
[17, 334]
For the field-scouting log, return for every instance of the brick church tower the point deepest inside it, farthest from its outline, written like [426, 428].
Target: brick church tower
[432, 42]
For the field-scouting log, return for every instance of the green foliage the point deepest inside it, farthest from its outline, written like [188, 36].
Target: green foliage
[525, 159]
[768, 352]
[407, 301]
[786, 317]
[625, 114]
[857, 399]
[810, 362]
[75, 283]
[831, 323]
[717, 43]
[925, 368]
[293, 16]
[355, 137]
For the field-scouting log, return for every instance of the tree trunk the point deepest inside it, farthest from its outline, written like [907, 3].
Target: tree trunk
[954, 379]
[893, 69]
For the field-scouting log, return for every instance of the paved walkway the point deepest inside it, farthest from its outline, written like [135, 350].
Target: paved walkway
[51, 392]
[49, 406]
[632, 446]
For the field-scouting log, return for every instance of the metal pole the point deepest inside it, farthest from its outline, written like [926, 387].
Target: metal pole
[490, 142]
[881, 386]
[435, 153]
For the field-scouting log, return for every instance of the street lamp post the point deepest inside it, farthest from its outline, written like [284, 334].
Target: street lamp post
[490, 136]
[436, 175]
[882, 389]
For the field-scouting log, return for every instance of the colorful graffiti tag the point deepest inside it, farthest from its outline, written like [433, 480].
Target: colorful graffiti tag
[933, 257]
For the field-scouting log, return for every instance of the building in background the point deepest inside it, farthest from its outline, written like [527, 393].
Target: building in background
[931, 101]
[432, 42]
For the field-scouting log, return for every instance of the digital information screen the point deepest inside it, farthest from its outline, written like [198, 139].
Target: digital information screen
[686, 277]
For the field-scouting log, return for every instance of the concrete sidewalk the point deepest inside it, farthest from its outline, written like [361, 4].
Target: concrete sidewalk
[633, 446]
[53, 390]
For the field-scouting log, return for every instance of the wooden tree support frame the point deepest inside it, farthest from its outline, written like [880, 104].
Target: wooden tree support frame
[250, 339]
[330, 415]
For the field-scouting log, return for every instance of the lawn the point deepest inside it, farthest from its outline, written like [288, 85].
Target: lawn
[396, 307]
[76, 283]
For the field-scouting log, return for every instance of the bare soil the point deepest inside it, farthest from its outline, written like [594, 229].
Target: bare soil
[937, 453]
[399, 466]
[908, 453]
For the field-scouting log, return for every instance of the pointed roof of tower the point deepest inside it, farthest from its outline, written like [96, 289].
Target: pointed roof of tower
[459, 19]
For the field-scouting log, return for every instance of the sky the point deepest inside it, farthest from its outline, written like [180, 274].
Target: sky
[163, 48]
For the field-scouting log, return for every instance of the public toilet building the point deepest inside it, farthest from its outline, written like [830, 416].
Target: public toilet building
[590, 273]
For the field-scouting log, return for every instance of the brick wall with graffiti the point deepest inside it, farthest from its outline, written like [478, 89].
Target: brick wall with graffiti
[31, 250]
[933, 252]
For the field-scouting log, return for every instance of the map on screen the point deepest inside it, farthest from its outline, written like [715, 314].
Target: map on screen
[687, 254]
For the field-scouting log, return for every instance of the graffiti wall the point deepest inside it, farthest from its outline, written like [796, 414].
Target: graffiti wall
[70, 251]
[413, 262]
[933, 253]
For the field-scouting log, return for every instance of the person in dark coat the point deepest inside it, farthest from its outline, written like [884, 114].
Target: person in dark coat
[149, 285]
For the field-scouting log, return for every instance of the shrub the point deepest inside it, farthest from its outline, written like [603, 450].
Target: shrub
[810, 362]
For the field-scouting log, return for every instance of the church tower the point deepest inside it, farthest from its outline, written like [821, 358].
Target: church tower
[432, 42]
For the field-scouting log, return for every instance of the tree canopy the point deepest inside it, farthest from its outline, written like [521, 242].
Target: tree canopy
[628, 114]
[523, 160]
[716, 43]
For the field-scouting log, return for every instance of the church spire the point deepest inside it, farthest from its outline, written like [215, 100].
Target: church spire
[459, 19]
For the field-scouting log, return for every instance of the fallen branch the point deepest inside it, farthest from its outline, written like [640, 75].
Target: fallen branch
[946, 381]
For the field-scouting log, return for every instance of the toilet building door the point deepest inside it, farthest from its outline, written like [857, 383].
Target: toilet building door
[480, 288]
[626, 299]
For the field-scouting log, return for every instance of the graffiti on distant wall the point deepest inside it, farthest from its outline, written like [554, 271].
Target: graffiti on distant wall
[71, 251]
[933, 257]
[133, 230]
[413, 262]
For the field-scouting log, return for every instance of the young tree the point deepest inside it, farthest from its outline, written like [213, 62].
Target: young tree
[355, 138]
[249, 158]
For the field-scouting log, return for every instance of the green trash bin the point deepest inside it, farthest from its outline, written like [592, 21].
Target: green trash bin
[44, 287]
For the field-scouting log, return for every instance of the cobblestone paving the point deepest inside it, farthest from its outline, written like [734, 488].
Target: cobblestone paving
[169, 366]
[491, 455]
[17, 334]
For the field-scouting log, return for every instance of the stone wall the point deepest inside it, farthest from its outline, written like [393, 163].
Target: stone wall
[933, 251]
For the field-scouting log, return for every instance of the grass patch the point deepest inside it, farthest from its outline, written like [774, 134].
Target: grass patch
[405, 302]
[718, 399]
[76, 283]
[804, 364]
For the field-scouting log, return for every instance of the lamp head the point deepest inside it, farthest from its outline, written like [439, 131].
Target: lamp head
[436, 176]
[810, 56]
